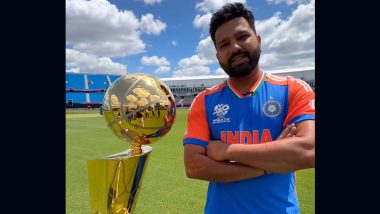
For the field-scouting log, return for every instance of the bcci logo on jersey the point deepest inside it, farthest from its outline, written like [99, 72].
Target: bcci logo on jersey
[272, 108]
[220, 111]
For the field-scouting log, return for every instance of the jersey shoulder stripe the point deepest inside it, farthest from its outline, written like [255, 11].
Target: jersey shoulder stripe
[300, 82]
[214, 89]
[208, 91]
[276, 80]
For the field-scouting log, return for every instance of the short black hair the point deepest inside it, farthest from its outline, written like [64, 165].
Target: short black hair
[227, 12]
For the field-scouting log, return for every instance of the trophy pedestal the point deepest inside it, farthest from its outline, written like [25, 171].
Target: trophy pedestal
[114, 181]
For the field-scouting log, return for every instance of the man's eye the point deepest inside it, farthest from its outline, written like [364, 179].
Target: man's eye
[242, 36]
[223, 45]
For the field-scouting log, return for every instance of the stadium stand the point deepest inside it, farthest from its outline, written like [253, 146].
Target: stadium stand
[87, 91]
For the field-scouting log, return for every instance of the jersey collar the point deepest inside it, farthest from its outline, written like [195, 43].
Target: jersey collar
[252, 91]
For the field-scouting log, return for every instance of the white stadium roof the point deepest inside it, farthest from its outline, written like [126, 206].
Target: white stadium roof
[216, 77]
[303, 69]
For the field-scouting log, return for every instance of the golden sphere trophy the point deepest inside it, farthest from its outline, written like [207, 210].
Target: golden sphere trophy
[139, 109]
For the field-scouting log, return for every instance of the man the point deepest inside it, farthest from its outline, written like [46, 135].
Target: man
[233, 136]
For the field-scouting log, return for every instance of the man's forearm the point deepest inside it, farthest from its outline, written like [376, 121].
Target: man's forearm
[199, 166]
[280, 156]
[287, 153]
[204, 168]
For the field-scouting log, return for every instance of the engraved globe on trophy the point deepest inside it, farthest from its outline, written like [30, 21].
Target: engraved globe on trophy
[139, 109]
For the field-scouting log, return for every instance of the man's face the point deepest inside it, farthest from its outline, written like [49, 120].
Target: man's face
[238, 47]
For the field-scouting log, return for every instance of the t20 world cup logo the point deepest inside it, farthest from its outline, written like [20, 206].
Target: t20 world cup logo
[220, 110]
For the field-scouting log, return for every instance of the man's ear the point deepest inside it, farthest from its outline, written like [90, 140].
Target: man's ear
[258, 37]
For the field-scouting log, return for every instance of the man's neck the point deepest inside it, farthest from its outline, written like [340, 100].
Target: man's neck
[244, 84]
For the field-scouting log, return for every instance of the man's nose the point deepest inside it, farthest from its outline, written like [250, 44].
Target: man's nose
[235, 48]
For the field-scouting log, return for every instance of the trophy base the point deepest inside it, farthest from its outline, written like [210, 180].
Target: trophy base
[114, 181]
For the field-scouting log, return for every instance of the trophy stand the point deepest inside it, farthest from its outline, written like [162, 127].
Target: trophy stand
[114, 181]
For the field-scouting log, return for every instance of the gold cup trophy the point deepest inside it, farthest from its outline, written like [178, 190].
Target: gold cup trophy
[139, 109]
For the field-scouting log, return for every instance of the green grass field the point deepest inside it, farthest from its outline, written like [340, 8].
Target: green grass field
[165, 188]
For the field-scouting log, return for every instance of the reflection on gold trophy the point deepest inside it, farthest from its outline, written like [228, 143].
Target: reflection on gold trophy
[139, 109]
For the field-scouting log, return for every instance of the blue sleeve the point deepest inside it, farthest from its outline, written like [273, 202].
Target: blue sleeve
[302, 117]
[195, 142]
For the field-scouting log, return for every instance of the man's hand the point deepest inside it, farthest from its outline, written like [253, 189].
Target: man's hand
[289, 131]
[216, 149]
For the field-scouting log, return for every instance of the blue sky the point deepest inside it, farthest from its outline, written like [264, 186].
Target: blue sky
[168, 38]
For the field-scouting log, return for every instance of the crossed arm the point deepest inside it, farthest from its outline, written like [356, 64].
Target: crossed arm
[280, 156]
[200, 165]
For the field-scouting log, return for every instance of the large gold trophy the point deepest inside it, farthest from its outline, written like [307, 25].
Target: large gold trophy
[139, 109]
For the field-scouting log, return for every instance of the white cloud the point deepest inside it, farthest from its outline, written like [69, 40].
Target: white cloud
[288, 42]
[220, 71]
[269, 26]
[192, 71]
[209, 7]
[151, 26]
[152, 2]
[214, 5]
[196, 64]
[288, 2]
[79, 62]
[202, 21]
[192, 61]
[74, 58]
[162, 70]
[174, 43]
[285, 42]
[73, 70]
[98, 27]
[205, 55]
[206, 49]
[155, 61]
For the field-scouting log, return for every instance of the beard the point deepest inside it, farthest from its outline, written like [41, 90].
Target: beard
[245, 68]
